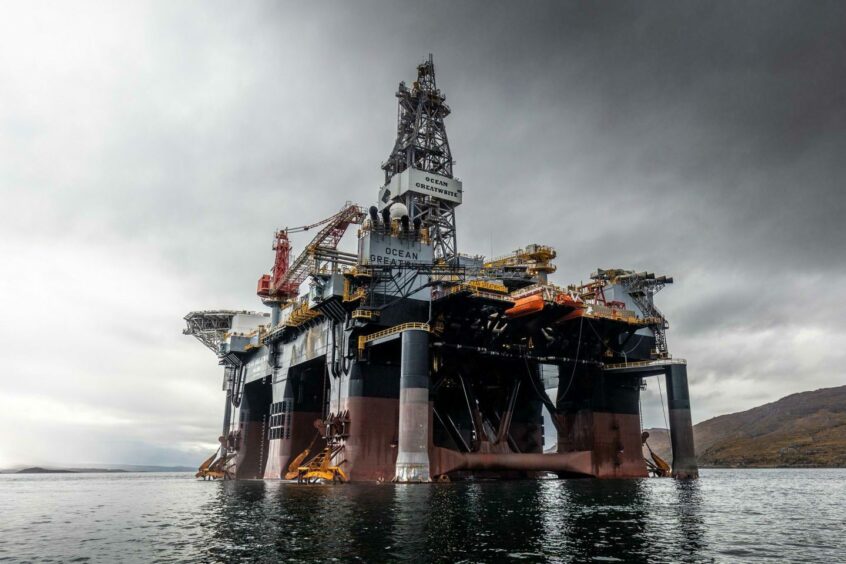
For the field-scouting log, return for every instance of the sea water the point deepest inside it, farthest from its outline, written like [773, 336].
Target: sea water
[726, 516]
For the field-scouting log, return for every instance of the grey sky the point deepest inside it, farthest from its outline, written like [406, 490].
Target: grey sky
[148, 151]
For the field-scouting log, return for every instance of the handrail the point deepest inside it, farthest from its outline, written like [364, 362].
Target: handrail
[364, 339]
[533, 252]
[645, 363]
[475, 291]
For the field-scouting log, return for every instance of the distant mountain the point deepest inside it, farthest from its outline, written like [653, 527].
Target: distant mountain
[40, 470]
[91, 468]
[801, 430]
[148, 468]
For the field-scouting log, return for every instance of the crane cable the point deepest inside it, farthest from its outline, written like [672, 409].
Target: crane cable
[302, 228]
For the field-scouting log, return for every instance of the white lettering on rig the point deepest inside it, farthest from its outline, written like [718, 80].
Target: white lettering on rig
[400, 253]
[428, 183]
[435, 189]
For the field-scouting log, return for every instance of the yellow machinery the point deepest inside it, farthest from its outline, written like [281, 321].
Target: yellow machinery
[204, 467]
[658, 466]
[535, 259]
[301, 313]
[294, 466]
[213, 468]
[485, 285]
[320, 469]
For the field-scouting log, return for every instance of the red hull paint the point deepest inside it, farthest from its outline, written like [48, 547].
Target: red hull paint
[370, 453]
[613, 438]
[283, 451]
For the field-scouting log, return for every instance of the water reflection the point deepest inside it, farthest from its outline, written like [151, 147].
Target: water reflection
[688, 511]
[605, 518]
[728, 516]
[486, 520]
[557, 520]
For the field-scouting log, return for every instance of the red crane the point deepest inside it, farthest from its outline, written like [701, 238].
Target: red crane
[284, 281]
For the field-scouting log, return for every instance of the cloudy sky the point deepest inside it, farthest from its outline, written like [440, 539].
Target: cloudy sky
[149, 150]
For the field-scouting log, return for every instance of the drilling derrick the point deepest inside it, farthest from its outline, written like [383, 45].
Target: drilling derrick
[422, 147]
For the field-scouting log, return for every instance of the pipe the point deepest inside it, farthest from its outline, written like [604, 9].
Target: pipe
[505, 420]
[567, 462]
[386, 219]
[346, 358]
[517, 356]
[575, 463]
[475, 416]
[227, 418]
[452, 429]
[333, 363]
[237, 388]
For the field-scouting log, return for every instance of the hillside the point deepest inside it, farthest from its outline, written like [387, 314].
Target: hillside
[94, 468]
[805, 430]
[39, 470]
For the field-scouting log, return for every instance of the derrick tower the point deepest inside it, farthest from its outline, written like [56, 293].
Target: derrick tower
[422, 147]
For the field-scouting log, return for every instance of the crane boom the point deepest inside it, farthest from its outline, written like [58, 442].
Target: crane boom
[310, 226]
[329, 237]
[285, 280]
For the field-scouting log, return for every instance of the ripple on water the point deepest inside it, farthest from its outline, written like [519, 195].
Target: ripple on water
[727, 515]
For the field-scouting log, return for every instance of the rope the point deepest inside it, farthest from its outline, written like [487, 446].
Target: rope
[553, 409]
[664, 411]
[575, 363]
[626, 352]
[541, 395]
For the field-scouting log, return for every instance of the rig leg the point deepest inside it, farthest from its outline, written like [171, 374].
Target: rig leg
[681, 426]
[413, 448]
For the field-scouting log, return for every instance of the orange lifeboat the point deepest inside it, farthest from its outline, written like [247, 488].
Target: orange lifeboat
[526, 306]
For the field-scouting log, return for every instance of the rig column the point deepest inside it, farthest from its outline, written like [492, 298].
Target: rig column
[413, 448]
[681, 426]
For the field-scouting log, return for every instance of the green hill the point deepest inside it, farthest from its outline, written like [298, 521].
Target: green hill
[800, 430]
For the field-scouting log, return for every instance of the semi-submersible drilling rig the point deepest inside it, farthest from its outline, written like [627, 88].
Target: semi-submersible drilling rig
[408, 361]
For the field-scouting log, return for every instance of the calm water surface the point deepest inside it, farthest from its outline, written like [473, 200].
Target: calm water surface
[727, 516]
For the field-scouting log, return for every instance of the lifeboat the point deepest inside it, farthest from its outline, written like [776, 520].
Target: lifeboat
[526, 306]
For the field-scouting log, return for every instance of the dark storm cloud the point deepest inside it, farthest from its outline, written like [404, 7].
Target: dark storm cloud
[151, 151]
